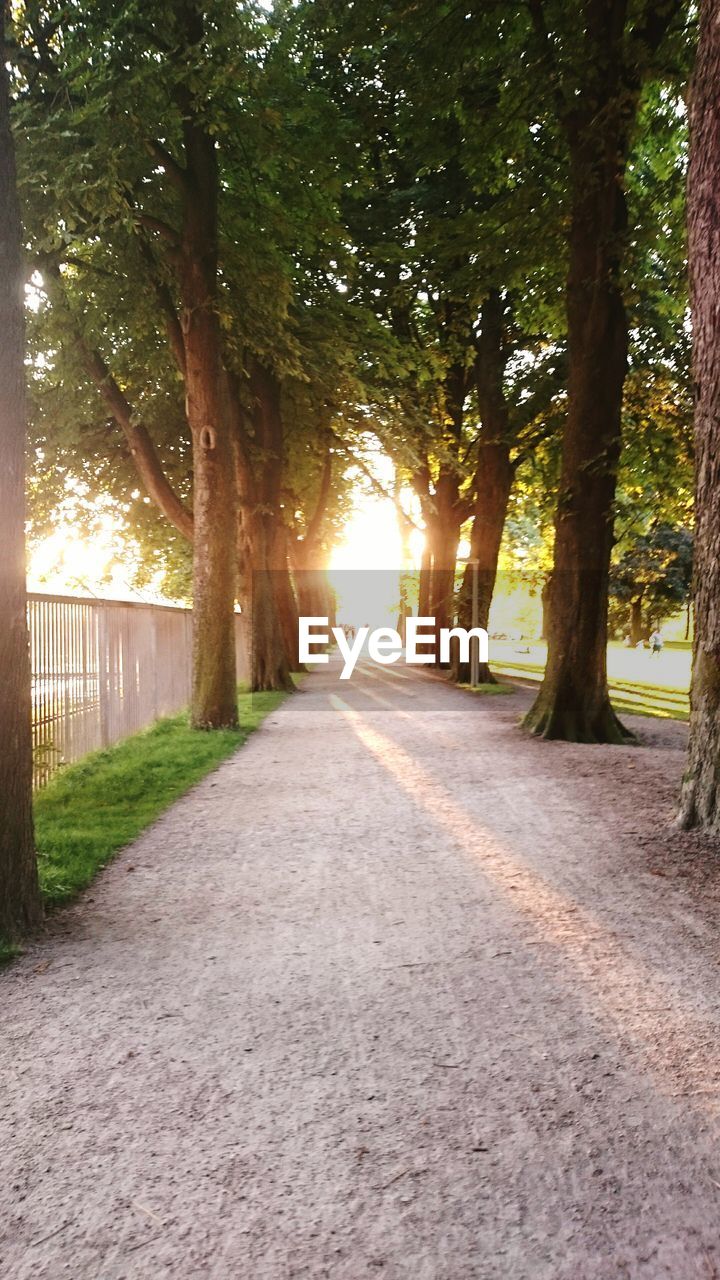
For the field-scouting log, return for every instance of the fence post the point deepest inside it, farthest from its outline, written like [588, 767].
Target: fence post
[103, 645]
[154, 660]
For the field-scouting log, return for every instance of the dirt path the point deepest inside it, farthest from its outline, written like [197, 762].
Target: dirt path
[396, 992]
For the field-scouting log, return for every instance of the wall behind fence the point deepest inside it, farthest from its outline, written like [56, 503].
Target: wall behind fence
[103, 669]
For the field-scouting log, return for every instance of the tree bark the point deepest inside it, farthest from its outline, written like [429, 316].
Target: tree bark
[424, 578]
[700, 801]
[313, 590]
[20, 907]
[636, 628]
[287, 604]
[544, 594]
[448, 511]
[270, 663]
[573, 702]
[443, 536]
[142, 450]
[259, 461]
[495, 478]
[214, 696]
[308, 557]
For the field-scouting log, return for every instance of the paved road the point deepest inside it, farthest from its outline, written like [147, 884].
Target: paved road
[395, 992]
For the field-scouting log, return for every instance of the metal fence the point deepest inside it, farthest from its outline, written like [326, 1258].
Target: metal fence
[103, 669]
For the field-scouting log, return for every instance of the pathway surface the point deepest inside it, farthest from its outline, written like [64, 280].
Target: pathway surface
[398, 992]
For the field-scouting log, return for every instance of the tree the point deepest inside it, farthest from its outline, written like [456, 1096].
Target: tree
[313, 518]
[157, 183]
[194, 256]
[518, 414]
[198, 124]
[653, 577]
[700, 802]
[19, 894]
[597, 75]
[452, 263]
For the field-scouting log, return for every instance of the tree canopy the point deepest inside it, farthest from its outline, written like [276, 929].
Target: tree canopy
[389, 198]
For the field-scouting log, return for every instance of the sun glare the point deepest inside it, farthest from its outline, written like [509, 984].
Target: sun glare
[364, 567]
[372, 539]
[65, 564]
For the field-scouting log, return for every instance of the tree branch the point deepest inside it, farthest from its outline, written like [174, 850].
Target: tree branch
[161, 228]
[375, 484]
[314, 524]
[548, 53]
[241, 442]
[142, 449]
[531, 441]
[647, 36]
[174, 170]
[173, 328]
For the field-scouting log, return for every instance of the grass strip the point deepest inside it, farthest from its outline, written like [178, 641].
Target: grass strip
[491, 689]
[648, 709]
[93, 808]
[631, 697]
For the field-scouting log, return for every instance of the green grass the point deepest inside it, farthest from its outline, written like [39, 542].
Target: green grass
[667, 644]
[8, 951]
[641, 708]
[487, 688]
[636, 697]
[95, 807]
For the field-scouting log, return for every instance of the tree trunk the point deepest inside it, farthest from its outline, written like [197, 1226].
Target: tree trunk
[495, 477]
[287, 606]
[260, 512]
[312, 588]
[444, 537]
[443, 534]
[259, 596]
[270, 665]
[544, 608]
[573, 702]
[19, 895]
[700, 802]
[443, 509]
[313, 593]
[214, 694]
[404, 603]
[424, 582]
[406, 577]
[636, 628]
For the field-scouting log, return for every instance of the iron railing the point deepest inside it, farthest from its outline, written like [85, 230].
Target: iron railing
[103, 669]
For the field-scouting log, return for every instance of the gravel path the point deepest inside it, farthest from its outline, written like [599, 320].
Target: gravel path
[397, 991]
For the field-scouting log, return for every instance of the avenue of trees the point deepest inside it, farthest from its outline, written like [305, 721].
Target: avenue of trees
[260, 240]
